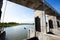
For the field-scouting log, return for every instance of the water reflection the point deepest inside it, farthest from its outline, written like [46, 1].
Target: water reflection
[18, 32]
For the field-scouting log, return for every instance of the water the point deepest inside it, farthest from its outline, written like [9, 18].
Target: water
[17, 32]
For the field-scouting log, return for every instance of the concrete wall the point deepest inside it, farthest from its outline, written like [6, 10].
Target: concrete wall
[54, 19]
[43, 36]
[58, 32]
[41, 15]
[40, 35]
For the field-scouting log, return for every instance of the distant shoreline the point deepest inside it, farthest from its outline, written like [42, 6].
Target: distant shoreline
[11, 24]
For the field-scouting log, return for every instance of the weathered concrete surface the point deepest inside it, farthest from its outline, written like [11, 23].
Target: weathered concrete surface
[54, 20]
[52, 37]
[41, 15]
[34, 4]
[31, 33]
[42, 36]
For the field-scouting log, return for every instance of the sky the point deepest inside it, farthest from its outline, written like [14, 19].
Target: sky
[55, 4]
[21, 14]
[17, 13]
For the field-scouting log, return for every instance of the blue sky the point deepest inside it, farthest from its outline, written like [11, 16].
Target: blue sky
[55, 4]
[21, 14]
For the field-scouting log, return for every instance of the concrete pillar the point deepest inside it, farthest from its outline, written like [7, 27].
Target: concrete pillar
[41, 15]
[54, 19]
[31, 34]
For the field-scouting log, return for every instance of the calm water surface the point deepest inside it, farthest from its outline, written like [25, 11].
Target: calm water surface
[17, 32]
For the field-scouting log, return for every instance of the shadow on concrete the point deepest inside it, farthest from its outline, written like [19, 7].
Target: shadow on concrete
[50, 33]
[34, 38]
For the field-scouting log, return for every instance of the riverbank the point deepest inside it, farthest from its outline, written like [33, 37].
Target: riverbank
[11, 24]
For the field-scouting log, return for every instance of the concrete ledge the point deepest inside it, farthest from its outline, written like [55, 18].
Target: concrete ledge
[52, 37]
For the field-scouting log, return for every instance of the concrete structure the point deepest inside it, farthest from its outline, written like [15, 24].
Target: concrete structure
[42, 8]
[54, 23]
[41, 15]
[1, 3]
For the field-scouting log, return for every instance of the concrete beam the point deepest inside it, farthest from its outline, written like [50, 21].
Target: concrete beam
[36, 5]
